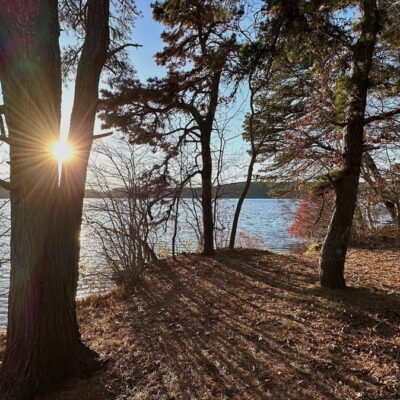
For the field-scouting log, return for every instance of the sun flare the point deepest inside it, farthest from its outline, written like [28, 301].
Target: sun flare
[62, 151]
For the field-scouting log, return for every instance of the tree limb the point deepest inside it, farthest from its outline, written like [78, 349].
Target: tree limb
[3, 135]
[383, 116]
[4, 139]
[113, 52]
[102, 135]
[5, 185]
[372, 118]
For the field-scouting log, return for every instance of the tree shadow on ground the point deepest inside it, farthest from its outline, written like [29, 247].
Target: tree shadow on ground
[245, 325]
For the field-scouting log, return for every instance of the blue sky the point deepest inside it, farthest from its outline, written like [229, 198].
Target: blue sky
[147, 32]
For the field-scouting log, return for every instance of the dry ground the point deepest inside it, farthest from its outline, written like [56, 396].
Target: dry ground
[248, 325]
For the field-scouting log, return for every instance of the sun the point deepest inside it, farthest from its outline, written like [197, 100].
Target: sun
[62, 151]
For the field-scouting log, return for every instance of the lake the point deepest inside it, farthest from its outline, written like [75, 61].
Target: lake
[264, 224]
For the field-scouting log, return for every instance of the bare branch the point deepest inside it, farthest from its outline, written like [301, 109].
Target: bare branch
[4, 139]
[3, 135]
[102, 135]
[383, 116]
[5, 185]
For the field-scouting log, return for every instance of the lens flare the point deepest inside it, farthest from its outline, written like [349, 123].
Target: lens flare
[62, 151]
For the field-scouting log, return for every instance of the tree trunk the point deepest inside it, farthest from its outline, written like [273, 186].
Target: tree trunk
[206, 195]
[73, 177]
[335, 246]
[206, 128]
[241, 201]
[397, 226]
[379, 186]
[346, 184]
[43, 339]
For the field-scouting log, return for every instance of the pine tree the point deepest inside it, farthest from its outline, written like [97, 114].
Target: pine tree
[341, 86]
[199, 53]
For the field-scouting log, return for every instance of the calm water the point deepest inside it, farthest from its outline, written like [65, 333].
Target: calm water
[264, 224]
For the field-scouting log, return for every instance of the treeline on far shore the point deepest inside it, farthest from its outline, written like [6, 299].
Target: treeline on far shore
[257, 190]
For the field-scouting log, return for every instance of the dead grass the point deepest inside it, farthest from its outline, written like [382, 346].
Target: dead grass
[248, 325]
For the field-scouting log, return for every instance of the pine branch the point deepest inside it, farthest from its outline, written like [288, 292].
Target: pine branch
[113, 52]
[102, 135]
[5, 185]
[373, 118]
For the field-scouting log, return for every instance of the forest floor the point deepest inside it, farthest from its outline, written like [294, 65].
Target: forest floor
[248, 324]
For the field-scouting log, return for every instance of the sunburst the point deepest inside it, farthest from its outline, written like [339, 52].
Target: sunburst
[62, 151]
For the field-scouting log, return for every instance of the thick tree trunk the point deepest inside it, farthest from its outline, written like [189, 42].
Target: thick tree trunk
[335, 246]
[206, 196]
[346, 185]
[73, 178]
[241, 201]
[43, 339]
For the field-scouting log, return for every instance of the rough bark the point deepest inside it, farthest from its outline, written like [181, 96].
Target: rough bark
[346, 184]
[43, 339]
[73, 178]
[43, 343]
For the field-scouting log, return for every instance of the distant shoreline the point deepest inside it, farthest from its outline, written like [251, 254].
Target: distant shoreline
[257, 190]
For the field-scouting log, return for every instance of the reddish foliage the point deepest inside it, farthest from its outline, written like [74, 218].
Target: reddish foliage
[300, 226]
[289, 136]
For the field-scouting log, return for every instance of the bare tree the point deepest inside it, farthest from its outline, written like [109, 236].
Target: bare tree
[123, 215]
